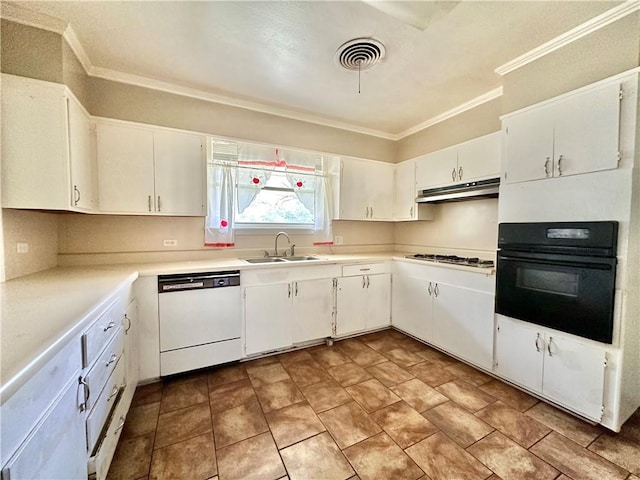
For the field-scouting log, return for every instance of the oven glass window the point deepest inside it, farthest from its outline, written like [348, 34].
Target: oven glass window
[557, 283]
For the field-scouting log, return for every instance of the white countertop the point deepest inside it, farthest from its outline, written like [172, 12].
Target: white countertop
[41, 312]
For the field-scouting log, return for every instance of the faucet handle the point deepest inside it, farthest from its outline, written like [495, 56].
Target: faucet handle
[293, 250]
[266, 253]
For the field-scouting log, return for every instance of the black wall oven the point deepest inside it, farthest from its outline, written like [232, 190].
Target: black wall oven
[559, 275]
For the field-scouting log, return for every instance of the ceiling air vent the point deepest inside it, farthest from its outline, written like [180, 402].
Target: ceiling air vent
[360, 54]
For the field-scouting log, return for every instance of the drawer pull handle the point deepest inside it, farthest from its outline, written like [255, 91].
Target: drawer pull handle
[365, 269]
[87, 393]
[126, 317]
[114, 392]
[109, 326]
[113, 358]
[119, 427]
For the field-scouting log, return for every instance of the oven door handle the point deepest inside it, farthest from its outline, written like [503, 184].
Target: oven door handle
[561, 263]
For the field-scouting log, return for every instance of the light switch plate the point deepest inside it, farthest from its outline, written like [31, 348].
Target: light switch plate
[338, 240]
[170, 243]
[22, 247]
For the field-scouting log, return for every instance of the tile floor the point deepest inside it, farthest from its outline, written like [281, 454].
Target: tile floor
[380, 406]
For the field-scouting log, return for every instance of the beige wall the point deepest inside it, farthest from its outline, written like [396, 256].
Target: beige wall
[73, 74]
[40, 231]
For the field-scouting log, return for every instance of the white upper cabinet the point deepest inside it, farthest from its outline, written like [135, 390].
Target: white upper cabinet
[575, 134]
[145, 171]
[366, 190]
[47, 155]
[475, 159]
[404, 204]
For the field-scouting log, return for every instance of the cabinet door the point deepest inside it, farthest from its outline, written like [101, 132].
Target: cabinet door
[378, 181]
[125, 169]
[131, 350]
[411, 306]
[404, 203]
[312, 309]
[529, 145]
[81, 157]
[268, 314]
[57, 447]
[519, 353]
[179, 173]
[574, 376]
[377, 301]
[479, 158]
[350, 305]
[463, 323]
[587, 129]
[437, 168]
[354, 201]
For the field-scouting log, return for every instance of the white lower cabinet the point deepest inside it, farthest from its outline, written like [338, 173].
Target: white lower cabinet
[566, 371]
[312, 309]
[411, 306]
[363, 303]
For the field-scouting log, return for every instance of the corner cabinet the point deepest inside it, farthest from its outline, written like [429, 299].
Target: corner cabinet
[566, 371]
[48, 155]
[405, 207]
[366, 190]
[576, 133]
[149, 171]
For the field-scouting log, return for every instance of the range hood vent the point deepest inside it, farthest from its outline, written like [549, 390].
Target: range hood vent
[461, 191]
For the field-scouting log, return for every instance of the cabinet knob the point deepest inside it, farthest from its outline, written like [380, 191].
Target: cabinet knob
[560, 166]
[546, 166]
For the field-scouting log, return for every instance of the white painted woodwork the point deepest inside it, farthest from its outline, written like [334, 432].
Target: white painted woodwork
[268, 318]
[366, 190]
[437, 168]
[378, 182]
[349, 306]
[104, 366]
[131, 350]
[45, 147]
[180, 176]
[463, 323]
[312, 309]
[364, 269]
[56, 448]
[146, 292]
[480, 158]
[105, 401]
[411, 306]
[125, 168]
[100, 333]
[377, 301]
[200, 356]
[404, 199]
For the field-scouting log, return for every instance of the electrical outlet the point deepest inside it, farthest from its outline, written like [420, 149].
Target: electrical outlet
[338, 240]
[22, 247]
[170, 243]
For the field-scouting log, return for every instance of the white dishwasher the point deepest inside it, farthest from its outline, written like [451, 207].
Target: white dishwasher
[199, 320]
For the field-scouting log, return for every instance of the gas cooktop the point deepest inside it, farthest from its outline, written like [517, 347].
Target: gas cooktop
[453, 259]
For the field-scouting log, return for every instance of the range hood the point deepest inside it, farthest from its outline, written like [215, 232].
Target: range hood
[461, 191]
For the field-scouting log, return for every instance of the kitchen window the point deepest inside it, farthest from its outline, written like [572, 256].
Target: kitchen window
[253, 188]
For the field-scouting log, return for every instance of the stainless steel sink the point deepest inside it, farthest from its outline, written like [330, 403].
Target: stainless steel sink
[264, 260]
[301, 258]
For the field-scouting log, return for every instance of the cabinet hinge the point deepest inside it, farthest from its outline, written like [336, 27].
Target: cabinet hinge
[619, 157]
[601, 413]
[620, 94]
[506, 131]
[606, 361]
[498, 328]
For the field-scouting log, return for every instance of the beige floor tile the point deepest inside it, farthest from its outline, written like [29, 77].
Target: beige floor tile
[509, 395]
[294, 423]
[197, 376]
[307, 373]
[178, 425]
[259, 362]
[294, 357]
[316, 458]
[403, 357]
[419, 395]
[254, 458]
[431, 374]
[183, 394]
[514, 424]
[381, 343]
[466, 395]
[389, 374]
[577, 430]
[266, 374]
[379, 457]
[360, 353]
[436, 358]
[442, 459]
[226, 374]
[239, 423]
[349, 424]
[412, 344]
[404, 424]
[230, 395]
[278, 395]
[622, 451]
[141, 420]
[329, 356]
[633, 477]
[349, 374]
[326, 395]
[510, 460]
[459, 424]
[469, 374]
[145, 394]
[576, 461]
[631, 428]
[372, 395]
[132, 458]
[194, 459]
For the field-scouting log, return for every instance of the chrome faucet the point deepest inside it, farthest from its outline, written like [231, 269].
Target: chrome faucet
[277, 235]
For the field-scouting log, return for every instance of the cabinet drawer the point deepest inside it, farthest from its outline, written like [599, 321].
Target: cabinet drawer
[102, 455]
[101, 370]
[98, 334]
[364, 269]
[104, 404]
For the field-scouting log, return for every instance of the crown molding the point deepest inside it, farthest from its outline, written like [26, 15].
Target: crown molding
[586, 28]
[15, 13]
[72, 40]
[474, 102]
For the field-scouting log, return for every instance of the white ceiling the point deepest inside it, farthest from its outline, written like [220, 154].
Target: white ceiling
[280, 54]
